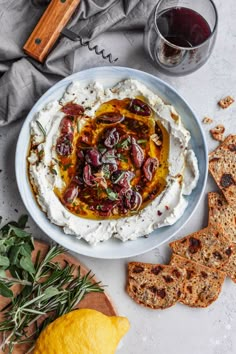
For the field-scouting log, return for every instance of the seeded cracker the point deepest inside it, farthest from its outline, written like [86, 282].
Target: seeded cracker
[202, 285]
[156, 286]
[230, 267]
[221, 211]
[222, 165]
[209, 247]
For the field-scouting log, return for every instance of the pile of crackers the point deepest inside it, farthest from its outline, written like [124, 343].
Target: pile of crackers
[200, 261]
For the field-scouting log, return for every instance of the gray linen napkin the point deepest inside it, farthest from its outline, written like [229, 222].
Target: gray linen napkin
[22, 79]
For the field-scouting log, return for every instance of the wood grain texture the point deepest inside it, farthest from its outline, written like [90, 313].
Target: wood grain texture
[49, 27]
[97, 301]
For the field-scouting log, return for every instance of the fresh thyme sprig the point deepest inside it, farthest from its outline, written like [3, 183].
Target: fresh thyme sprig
[48, 289]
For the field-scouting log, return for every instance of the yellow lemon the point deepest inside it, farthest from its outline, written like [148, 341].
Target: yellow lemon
[82, 331]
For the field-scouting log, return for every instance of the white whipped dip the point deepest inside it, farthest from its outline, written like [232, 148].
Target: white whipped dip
[164, 210]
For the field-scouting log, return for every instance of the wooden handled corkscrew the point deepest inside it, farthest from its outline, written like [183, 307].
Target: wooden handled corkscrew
[51, 26]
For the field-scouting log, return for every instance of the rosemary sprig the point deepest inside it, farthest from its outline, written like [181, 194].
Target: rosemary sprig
[48, 289]
[41, 128]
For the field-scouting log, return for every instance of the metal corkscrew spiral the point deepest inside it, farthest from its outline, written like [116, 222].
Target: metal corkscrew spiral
[76, 37]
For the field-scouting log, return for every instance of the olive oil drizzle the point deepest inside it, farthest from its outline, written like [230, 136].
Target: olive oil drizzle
[91, 135]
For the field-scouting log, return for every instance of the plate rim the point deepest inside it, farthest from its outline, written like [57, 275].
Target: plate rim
[30, 115]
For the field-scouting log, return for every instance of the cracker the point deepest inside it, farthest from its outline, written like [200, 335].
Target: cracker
[230, 267]
[202, 285]
[209, 247]
[222, 212]
[207, 120]
[156, 286]
[217, 133]
[222, 165]
[226, 102]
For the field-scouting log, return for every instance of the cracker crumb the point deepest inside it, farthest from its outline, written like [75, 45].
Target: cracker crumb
[207, 120]
[217, 133]
[156, 139]
[226, 102]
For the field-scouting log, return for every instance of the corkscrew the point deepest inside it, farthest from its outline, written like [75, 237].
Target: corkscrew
[76, 37]
[52, 25]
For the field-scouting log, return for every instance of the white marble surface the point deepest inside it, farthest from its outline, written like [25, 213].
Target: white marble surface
[179, 329]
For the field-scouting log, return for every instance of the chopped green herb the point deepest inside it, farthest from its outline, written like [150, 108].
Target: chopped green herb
[66, 166]
[54, 172]
[120, 176]
[142, 141]
[41, 128]
[124, 144]
[102, 149]
[123, 158]
[57, 161]
[41, 153]
[106, 171]
[111, 195]
[137, 108]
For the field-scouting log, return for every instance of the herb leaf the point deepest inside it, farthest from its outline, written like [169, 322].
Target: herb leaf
[111, 195]
[124, 144]
[142, 141]
[47, 287]
[18, 231]
[41, 128]
[27, 264]
[5, 291]
[122, 157]
[66, 166]
[4, 261]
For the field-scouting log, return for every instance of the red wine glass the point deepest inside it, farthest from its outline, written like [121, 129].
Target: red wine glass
[180, 35]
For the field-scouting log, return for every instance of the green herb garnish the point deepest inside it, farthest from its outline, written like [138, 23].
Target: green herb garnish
[124, 144]
[101, 149]
[66, 166]
[16, 246]
[142, 141]
[111, 195]
[54, 172]
[46, 287]
[41, 153]
[137, 108]
[106, 171]
[41, 128]
[123, 158]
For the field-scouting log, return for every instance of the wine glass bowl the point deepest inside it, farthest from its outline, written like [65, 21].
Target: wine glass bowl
[180, 35]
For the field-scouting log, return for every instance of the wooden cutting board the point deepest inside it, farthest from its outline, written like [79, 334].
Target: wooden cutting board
[96, 301]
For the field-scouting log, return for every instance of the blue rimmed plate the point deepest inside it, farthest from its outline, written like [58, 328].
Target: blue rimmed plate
[112, 249]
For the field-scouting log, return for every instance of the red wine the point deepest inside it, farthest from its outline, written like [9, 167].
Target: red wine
[183, 27]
